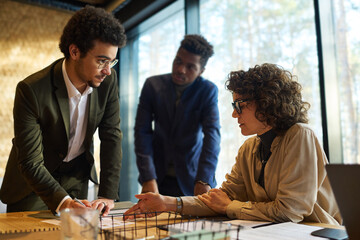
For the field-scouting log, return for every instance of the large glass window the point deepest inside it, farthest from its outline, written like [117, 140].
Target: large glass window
[150, 50]
[158, 46]
[346, 16]
[245, 33]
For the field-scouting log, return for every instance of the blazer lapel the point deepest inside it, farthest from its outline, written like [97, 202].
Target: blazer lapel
[170, 98]
[92, 113]
[62, 96]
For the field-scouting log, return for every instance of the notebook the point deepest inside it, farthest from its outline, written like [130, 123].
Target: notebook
[345, 182]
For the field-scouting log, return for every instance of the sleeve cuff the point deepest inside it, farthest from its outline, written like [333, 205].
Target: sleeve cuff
[235, 209]
[62, 201]
[202, 182]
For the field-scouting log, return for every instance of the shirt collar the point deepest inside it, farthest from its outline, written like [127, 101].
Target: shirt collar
[71, 89]
[267, 138]
[271, 138]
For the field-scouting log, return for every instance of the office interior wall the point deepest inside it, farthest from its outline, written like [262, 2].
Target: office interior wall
[29, 37]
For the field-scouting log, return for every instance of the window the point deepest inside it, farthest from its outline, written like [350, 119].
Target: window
[150, 50]
[346, 16]
[316, 40]
[158, 46]
[254, 32]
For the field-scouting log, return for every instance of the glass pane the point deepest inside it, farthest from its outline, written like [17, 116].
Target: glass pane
[346, 20]
[149, 51]
[254, 32]
[158, 46]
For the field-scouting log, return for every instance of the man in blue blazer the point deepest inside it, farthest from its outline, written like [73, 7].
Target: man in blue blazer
[177, 130]
[56, 112]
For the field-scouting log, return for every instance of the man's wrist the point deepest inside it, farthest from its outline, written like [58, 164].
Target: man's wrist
[100, 197]
[202, 182]
[150, 186]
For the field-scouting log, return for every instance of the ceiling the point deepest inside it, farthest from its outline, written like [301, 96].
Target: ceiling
[73, 5]
[129, 12]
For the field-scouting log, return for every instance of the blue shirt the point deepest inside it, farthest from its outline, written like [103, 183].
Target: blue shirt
[187, 134]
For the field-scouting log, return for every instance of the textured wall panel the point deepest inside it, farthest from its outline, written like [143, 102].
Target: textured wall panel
[29, 38]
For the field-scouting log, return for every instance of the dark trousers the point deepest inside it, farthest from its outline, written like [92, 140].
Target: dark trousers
[73, 176]
[170, 187]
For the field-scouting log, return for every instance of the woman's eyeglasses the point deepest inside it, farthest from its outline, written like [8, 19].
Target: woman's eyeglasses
[236, 105]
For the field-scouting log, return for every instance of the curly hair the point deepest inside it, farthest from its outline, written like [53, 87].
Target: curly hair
[90, 24]
[276, 93]
[198, 45]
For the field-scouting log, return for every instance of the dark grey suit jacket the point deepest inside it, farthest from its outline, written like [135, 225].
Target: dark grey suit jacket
[41, 126]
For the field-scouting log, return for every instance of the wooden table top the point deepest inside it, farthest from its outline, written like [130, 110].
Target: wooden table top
[36, 226]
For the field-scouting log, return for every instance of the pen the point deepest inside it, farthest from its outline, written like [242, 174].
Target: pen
[78, 201]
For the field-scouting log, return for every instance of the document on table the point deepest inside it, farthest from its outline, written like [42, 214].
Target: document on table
[250, 230]
[280, 231]
[109, 223]
[121, 207]
[248, 223]
[104, 223]
[190, 226]
[117, 211]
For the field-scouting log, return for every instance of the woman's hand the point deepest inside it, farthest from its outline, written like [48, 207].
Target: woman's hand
[216, 200]
[152, 204]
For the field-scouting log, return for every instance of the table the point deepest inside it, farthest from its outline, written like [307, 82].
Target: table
[31, 225]
[28, 225]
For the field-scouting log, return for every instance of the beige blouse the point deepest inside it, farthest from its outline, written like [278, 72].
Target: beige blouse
[296, 185]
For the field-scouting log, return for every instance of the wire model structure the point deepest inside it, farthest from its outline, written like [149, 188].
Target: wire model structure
[165, 225]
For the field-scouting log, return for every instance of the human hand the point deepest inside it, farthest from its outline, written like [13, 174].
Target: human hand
[201, 188]
[104, 205]
[149, 205]
[216, 199]
[75, 203]
[150, 186]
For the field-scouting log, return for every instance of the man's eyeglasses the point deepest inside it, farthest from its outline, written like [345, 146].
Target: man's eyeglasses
[236, 105]
[105, 63]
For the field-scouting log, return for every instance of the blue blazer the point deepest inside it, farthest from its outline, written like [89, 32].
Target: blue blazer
[188, 134]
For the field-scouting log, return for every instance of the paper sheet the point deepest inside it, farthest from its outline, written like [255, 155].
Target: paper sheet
[117, 211]
[281, 231]
[107, 223]
[248, 223]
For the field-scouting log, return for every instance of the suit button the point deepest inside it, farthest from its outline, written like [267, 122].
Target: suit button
[61, 155]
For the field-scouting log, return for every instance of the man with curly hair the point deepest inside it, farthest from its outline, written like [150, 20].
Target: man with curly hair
[56, 112]
[279, 174]
[177, 130]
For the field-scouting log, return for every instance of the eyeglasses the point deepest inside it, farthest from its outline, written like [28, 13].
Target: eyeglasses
[105, 63]
[236, 105]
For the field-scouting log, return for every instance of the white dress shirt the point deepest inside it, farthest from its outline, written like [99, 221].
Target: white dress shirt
[78, 117]
[78, 121]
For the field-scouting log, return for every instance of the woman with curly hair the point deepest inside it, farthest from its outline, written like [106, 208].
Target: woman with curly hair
[279, 174]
